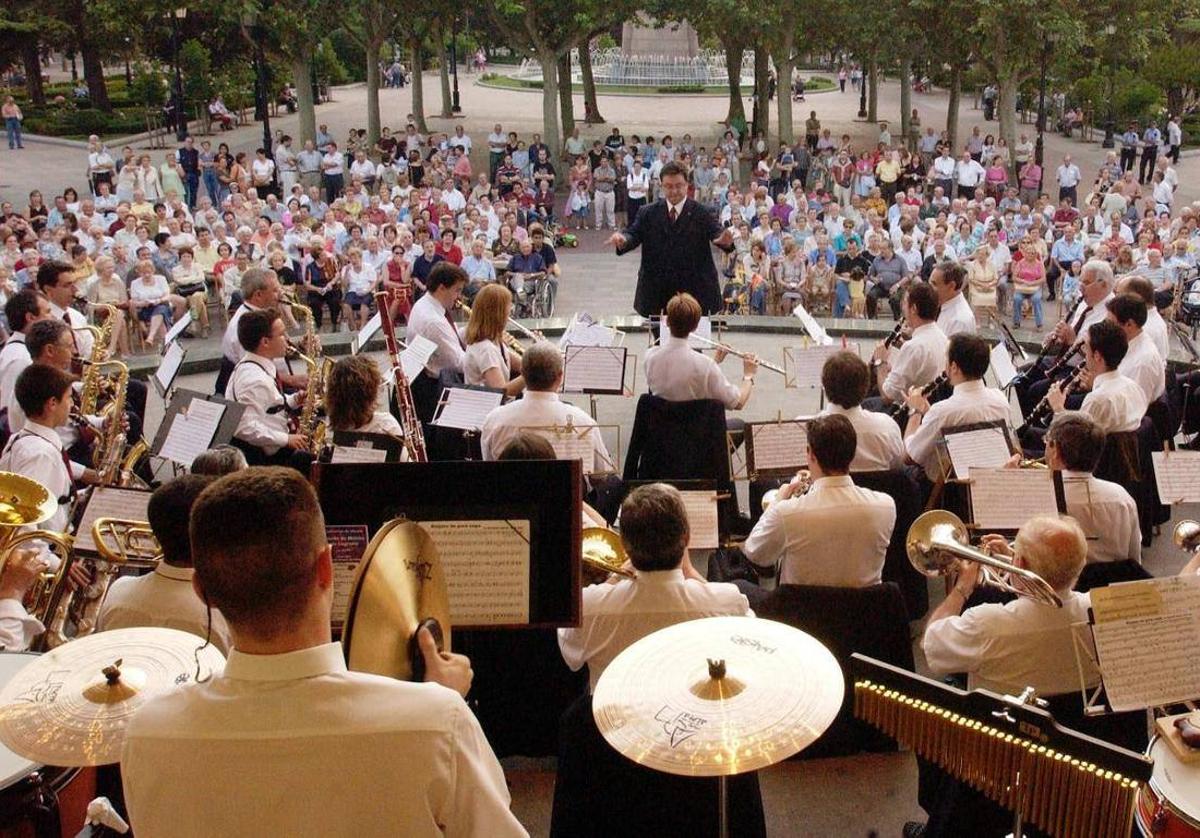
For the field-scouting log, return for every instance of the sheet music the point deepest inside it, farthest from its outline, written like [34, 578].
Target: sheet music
[585, 331]
[349, 543]
[361, 453]
[192, 431]
[703, 329]
[1177, 475]
[466, 409]
[109, 502]
[814, 329]
[1002, 365]
[1146, 634]
[416, 355]
[168, 367]
[808, 361]
[177, 330]
[594, 369]
[570, 444]
[366, 333]
[779, 446]
[486, 566]
[701, 509]
[1005, 498]
[980, 448]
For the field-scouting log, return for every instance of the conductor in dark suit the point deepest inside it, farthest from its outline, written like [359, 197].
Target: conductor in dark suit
[676, 234]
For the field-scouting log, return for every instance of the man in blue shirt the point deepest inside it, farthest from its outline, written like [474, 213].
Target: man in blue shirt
[1129, 145]
[1066, 250]
[1150, 139]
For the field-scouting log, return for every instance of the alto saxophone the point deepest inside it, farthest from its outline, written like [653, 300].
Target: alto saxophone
[311, 424]
[90, 391]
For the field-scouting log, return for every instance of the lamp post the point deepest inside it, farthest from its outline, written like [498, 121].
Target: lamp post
[178, 15]
[862, 91]
[455, 107]
[128, 71]
[1110, 120]
[262, 101]
[1040, 146]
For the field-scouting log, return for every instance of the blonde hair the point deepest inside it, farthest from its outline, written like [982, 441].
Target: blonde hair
[489, 313]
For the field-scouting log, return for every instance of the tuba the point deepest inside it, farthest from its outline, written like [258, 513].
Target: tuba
[23, 503]
[938, 538]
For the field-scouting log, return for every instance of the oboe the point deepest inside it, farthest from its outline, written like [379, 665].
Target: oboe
[899, 410]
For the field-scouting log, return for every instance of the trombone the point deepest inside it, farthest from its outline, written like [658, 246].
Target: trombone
[767, 365]
[938, 538]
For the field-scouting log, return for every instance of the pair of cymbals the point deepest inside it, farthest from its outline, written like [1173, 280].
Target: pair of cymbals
[69, 707]
[718, 696]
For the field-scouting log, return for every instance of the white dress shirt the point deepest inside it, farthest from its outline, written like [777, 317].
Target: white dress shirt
[17, 628]
[618, 615]
[880, 444]
[1156, 328]
[1115, 402]
[537, 409]
[264, 423]
[294, 744]
[918, 361]
[1006, 648]
[428, 319]
[84, 341]
[678, 373]
[164, 599]
[484, 355]
[36, 452]
[14, 358]
[233, 351]
[1107, 514]
[956, 316]
[836, 534]
[970, 402]
[1143, 364]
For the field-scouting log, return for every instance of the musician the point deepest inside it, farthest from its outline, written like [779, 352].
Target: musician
[287, 707]
[219, 460]
[1116, 403]
[1142, 362]
[835, 534]
[263, 433]
[166, 597]
[540, 407]
[488, 361]
[21, 571]
[22, 310]
[1156, 327]
[431, 318]
[967, 359]
[667, 589]
[677, 373]
[949, 280]
[920, 359]
[352, 393]
[260, 291]
[845, 378]
[50, 342]
[57, 281]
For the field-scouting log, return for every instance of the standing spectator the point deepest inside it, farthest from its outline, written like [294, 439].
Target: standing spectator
[637, 187]
[812, 131]
[286, 161]
[11, 112]
[207, 160]
[1174, 138]
[101, 166]
[189, 162]
[1068, 177]
[969, 175]
[1029, 179]
[497, 143]
[1150, 140]
[332, 173]
[308, 162]
[604, 178]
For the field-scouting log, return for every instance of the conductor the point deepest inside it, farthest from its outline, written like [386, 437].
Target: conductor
[676, 232]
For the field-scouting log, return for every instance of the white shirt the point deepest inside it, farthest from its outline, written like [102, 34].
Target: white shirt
[428, 318]
[484, 355]
[1068, 175]
[14, 358]
[918, 361]
[837, 534]
[637, 185]
[1006, 648]
[956, 316]
[338, 741]
[1115, 402]
[538, 410]
[944, 166]
[361, 280]
[1155, 328]
[969, 174]
[1107, 514]
[165, 599]
[331, 163]
[1143, 364]
[880, 444]
[17, 628]
[264, 423]
[970, 402]
[363, 169]
[36, 452]
[677, 373]
[616, 616]
[83, 338]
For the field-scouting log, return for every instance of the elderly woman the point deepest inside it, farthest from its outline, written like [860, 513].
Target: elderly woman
[150, 298]
[148, 179]
[188, 280]
[1028, 278]
[109, 289]
[983, 282]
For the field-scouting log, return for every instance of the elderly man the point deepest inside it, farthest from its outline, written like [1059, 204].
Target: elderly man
[888, 276]
[260, 290]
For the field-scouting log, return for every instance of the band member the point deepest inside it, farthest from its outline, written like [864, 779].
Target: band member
[57, 281]
[286, 704]
[17, 628]
[677, 373]
[845, 378]
[1142, 362]
[22, 310]
[431, 319]
[166, 597]
[263, 432]
[949, 280]
[1116, 403]
[1156, 327]
[667, 589]
[836, 533]
[260, 291]
[219, 460]
[488, 361]
[920, 359]
[967, 359]
[352, 393]
[540, 407]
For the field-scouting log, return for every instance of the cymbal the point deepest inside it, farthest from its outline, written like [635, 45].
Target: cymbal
[718, 696]
[69, 707]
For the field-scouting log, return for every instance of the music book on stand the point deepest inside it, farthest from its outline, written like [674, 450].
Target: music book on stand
[109, 502]
[776, 449]
[1003, 499]
[168, 368]
[594, 369]
[193, 423]
[359, 447]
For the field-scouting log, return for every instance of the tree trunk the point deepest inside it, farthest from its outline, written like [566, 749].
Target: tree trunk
[418, 84]
[591, 107]
[33, 70]
[93, 73]
[444, 74]
[302, 78]
[956, 74]
[733, 67]
[566, 100]
[551, 134]
[762, 105]
[873, 92]
[1008, 108]
[784, 64]
[372, 49]
[905, 96]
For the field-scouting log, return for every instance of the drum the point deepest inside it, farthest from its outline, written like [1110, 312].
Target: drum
[37, 800]
[1169, 805]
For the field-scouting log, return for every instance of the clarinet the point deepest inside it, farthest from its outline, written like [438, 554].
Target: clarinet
[899, 410]
[1065, 358]
[895, 338]
[1042, 410]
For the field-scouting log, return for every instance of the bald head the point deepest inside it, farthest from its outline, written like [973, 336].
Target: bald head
[1053, 548]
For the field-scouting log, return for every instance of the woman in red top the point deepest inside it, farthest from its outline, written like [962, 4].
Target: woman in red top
[446, 248]
[397, 282]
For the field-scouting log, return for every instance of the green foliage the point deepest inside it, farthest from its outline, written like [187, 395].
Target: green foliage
[149, 85]
[195, 65]
[350, 54]
[236, 85]
[327, 65]
[58, 121]
[680, 88]
[1133, 98]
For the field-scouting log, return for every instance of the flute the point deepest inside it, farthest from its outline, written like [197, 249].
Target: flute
[767, 365]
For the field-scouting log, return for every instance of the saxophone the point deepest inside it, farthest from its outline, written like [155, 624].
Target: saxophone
[110, 443]
[311, 424]
[89, 394]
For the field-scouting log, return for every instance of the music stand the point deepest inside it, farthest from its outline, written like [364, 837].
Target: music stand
[387, 446]
[168, 369]
[695, 486]
[963, 433]
[181, 400]
[570, 441]
[776, 449]
[802, 365]
[1019, 475]
[109, 502]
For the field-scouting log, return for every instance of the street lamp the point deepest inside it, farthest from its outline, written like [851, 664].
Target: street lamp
[262, 102]
[1040, 146]
[862, 91]
[128, 71]
[1110, 122]
[455, 107]
[177, 16]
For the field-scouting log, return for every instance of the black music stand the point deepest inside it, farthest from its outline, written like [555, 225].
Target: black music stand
[180, 400]
[387, 443]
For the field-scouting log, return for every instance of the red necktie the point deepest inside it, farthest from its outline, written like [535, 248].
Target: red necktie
[672, 215]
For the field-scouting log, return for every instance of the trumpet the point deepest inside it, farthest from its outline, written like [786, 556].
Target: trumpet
[1187, 535]
[802, 481]
[603, 555]
[767, 365]
[938, 538]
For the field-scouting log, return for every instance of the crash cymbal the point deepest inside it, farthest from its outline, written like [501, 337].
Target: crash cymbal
[718, 696]
[69, 707]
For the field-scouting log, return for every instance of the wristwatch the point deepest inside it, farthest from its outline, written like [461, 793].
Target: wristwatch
[749, 378]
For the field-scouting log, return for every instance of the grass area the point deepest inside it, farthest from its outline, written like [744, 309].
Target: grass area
[812, 85]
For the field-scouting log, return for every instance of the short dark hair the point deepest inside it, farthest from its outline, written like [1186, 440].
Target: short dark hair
[39, 383]
[21, 308]
[43, 333]
[833, 441]
[49, 272]
[971, 353]
[923, 300]
[254, 326]
[445, 275]
[845, 379]
[672, 168]
[527, 445]
[654, 527]
[953, 273]
[169, 509]
[255, 537]
[1141, 287]
[1078, 438]
[350, 392]
[1107, 339]
[1127, 308]
[683, 315]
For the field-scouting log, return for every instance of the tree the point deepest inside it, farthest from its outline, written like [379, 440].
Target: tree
[591, 106]
[23, 27]
[371, 24]
[299, 26]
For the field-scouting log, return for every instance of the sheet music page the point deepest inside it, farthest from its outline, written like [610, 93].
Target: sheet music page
[172, 359]
[362, 453]
[349, 543]
[1002, 365]
[982, 448]
[486, 565]
[366, 333]
[808, 361]
[1146, 634]
[701, 509]
[779, 446]
[192, 431]
[1005, 498]
[570, 445]
[814, 329]
[585, 331]
[703, 329]
[1177, 475]
[109, 502]
[177, 330]
[466, 409]
[416, 355]
[594, 369]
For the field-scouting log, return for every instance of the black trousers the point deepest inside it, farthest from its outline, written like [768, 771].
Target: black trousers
[876, 293]
[1146, 169]
[319, 302]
